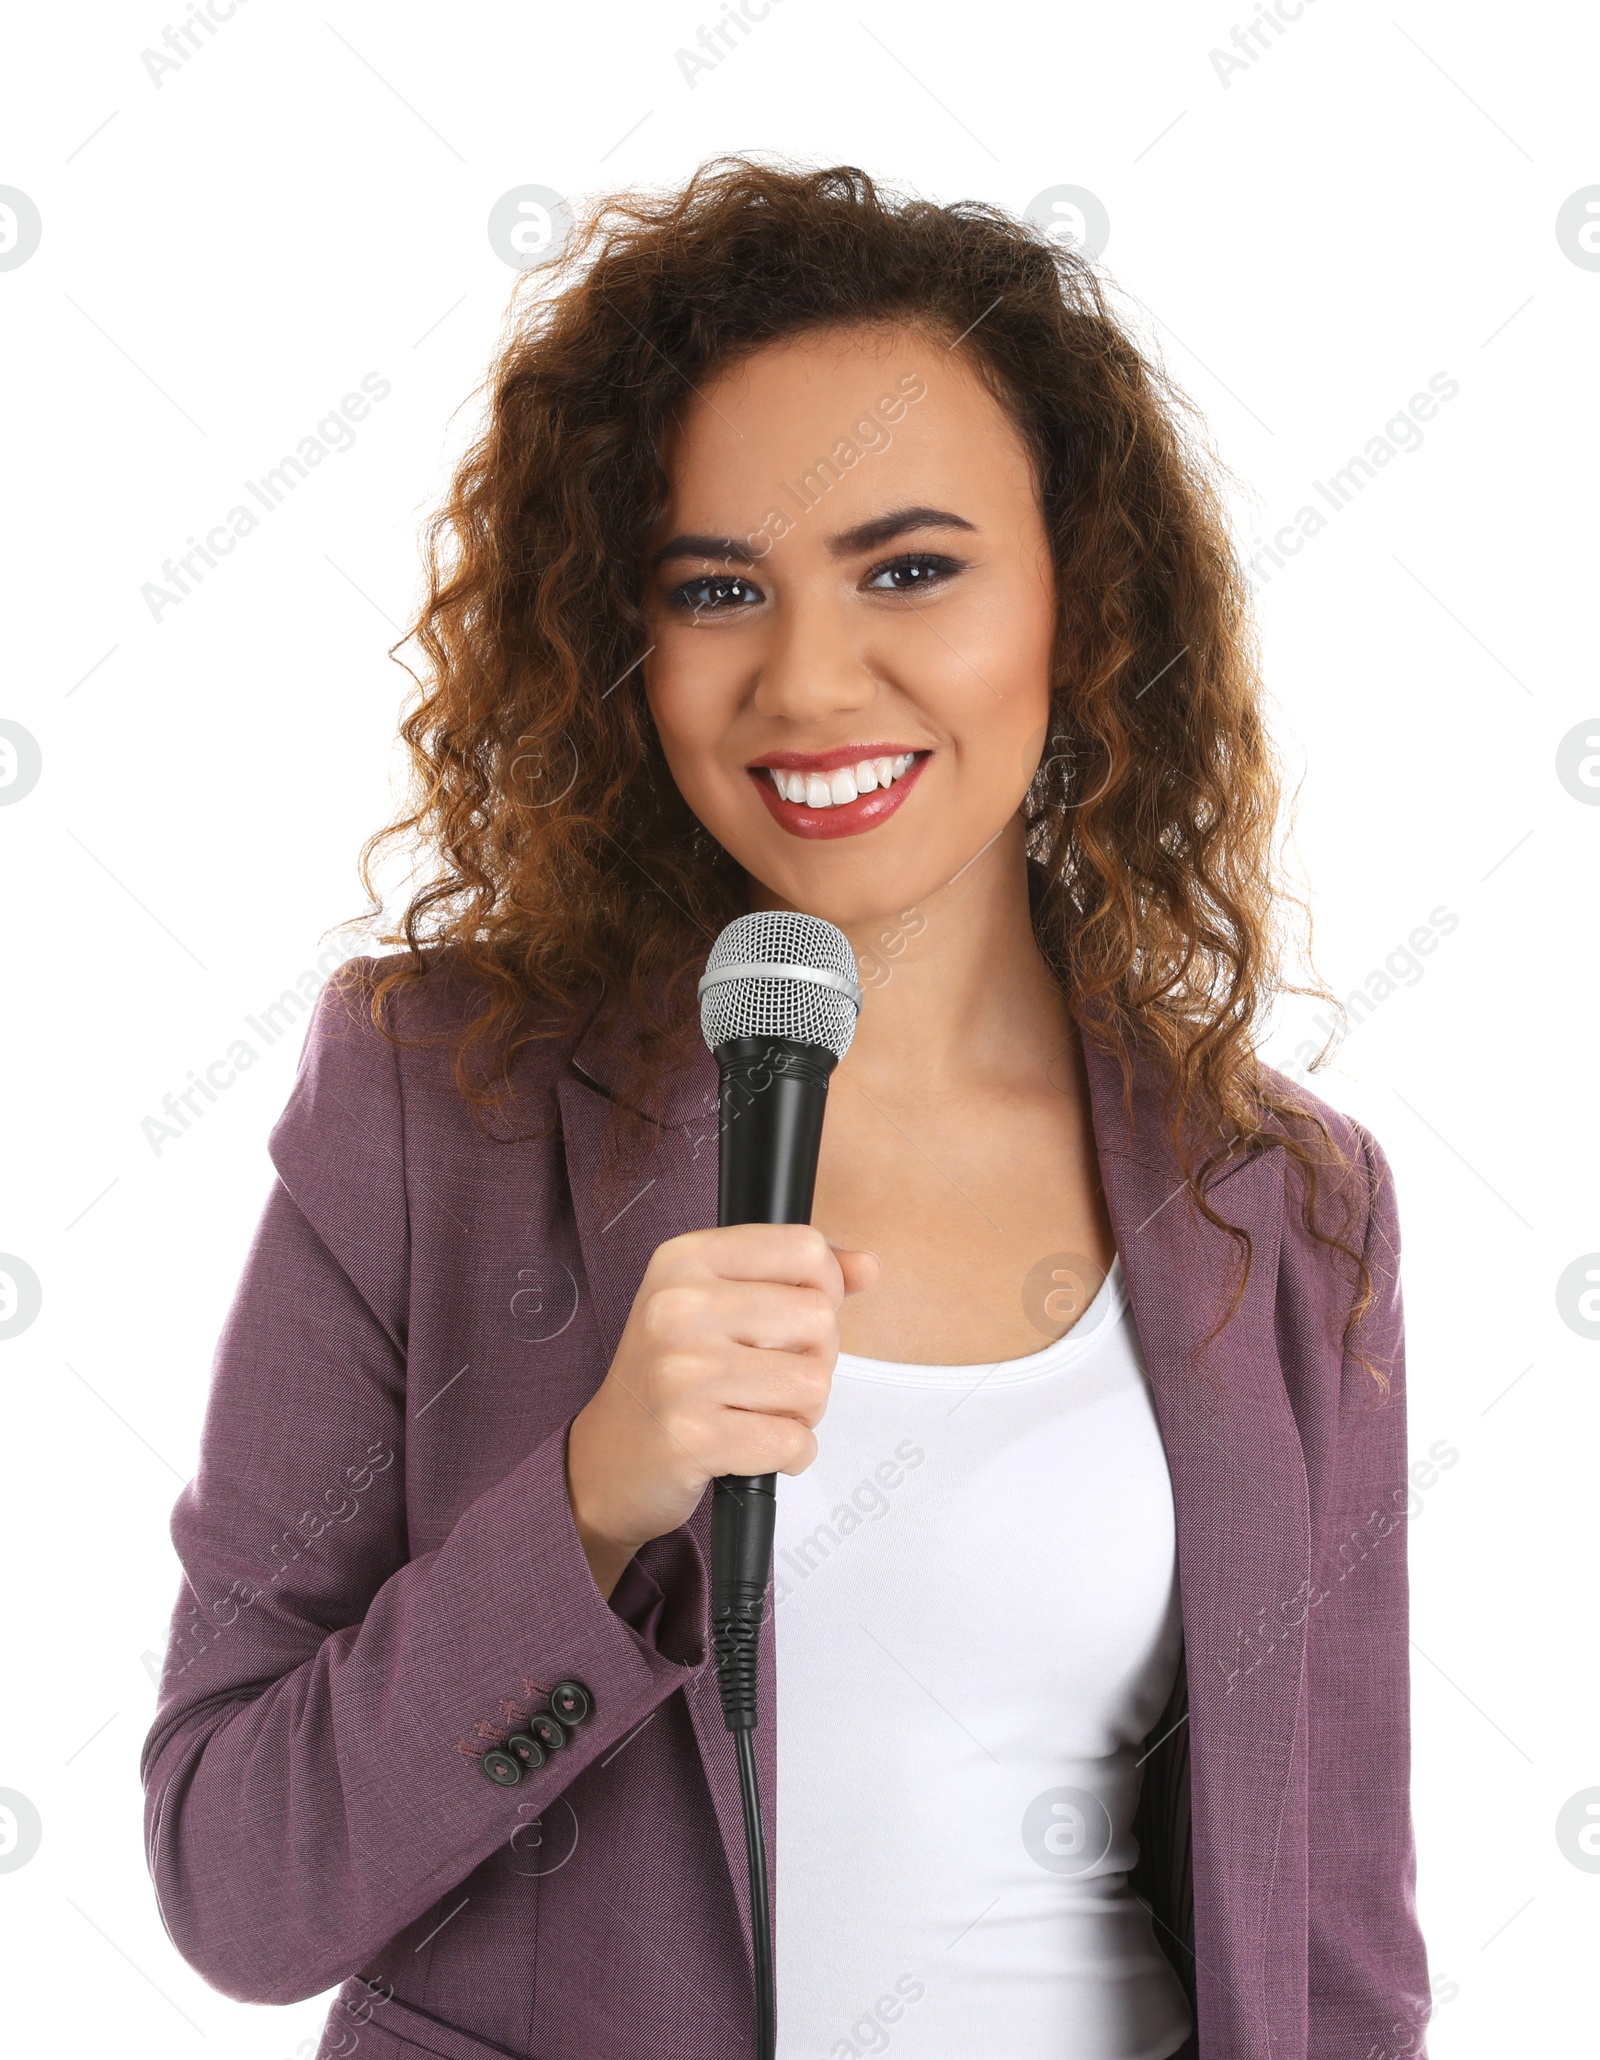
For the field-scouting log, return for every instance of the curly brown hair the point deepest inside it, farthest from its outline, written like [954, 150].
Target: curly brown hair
[568, 872]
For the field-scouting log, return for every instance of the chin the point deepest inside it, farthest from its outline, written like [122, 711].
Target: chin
[850, 890]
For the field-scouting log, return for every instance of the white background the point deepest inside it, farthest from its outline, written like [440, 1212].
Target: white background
[1369, 203]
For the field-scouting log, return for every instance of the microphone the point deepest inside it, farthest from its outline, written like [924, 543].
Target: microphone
[778, 1008]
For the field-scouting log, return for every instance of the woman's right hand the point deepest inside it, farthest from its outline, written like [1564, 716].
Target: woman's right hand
[724, 1367]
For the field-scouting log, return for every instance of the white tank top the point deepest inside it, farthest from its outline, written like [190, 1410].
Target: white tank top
[976, 1627]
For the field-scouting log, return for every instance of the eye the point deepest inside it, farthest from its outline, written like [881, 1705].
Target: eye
[712, 592]
[912, 571]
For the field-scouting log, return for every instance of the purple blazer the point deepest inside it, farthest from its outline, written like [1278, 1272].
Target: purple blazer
[383, 1580]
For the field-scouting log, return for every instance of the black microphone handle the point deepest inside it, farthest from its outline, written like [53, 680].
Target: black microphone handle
[771, 1102]
[772, 1098]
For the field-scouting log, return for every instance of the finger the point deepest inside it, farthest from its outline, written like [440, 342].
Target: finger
[795, 1253]
[772, 1316]
[766, 1444]
[792, 1384]
[709, 1313]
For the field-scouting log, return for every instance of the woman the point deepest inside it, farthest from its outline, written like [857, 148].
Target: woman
[833, 552]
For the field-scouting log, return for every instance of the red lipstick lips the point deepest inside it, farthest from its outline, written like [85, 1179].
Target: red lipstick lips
[845, 818]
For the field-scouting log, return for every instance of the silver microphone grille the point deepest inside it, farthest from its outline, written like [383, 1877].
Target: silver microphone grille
[781, 974]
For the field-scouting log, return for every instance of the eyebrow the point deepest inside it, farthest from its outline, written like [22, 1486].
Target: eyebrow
[865, 536]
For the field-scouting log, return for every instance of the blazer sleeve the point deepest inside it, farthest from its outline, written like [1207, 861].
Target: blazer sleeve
[1367, 1967]
[310, 1788]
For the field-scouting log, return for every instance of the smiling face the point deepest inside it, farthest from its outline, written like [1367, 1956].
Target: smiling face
[852, 605]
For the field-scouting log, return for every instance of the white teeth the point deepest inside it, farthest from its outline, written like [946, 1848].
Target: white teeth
[833, 789]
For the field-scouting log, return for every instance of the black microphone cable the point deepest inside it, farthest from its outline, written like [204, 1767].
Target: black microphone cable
[778, 1007]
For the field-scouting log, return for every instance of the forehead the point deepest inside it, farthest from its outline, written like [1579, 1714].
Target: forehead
[893, 408]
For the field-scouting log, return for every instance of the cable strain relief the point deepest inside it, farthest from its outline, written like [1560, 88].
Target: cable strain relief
[736, 1649]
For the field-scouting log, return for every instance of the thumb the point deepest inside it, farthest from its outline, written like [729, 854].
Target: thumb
[860, 1268]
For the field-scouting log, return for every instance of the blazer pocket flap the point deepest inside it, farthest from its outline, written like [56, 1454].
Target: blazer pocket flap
[363, 2025]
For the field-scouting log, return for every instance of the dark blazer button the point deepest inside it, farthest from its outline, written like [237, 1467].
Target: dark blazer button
[501, 1767]
[525, 1750]
[550, 1732]
[571, 1702]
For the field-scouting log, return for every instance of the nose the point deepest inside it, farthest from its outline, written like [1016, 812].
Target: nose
[815, 664]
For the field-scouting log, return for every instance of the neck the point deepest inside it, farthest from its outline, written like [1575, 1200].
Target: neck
[957, 995]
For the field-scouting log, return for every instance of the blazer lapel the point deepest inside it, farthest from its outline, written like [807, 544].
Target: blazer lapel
[1242, 1515]
[673, 1191]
